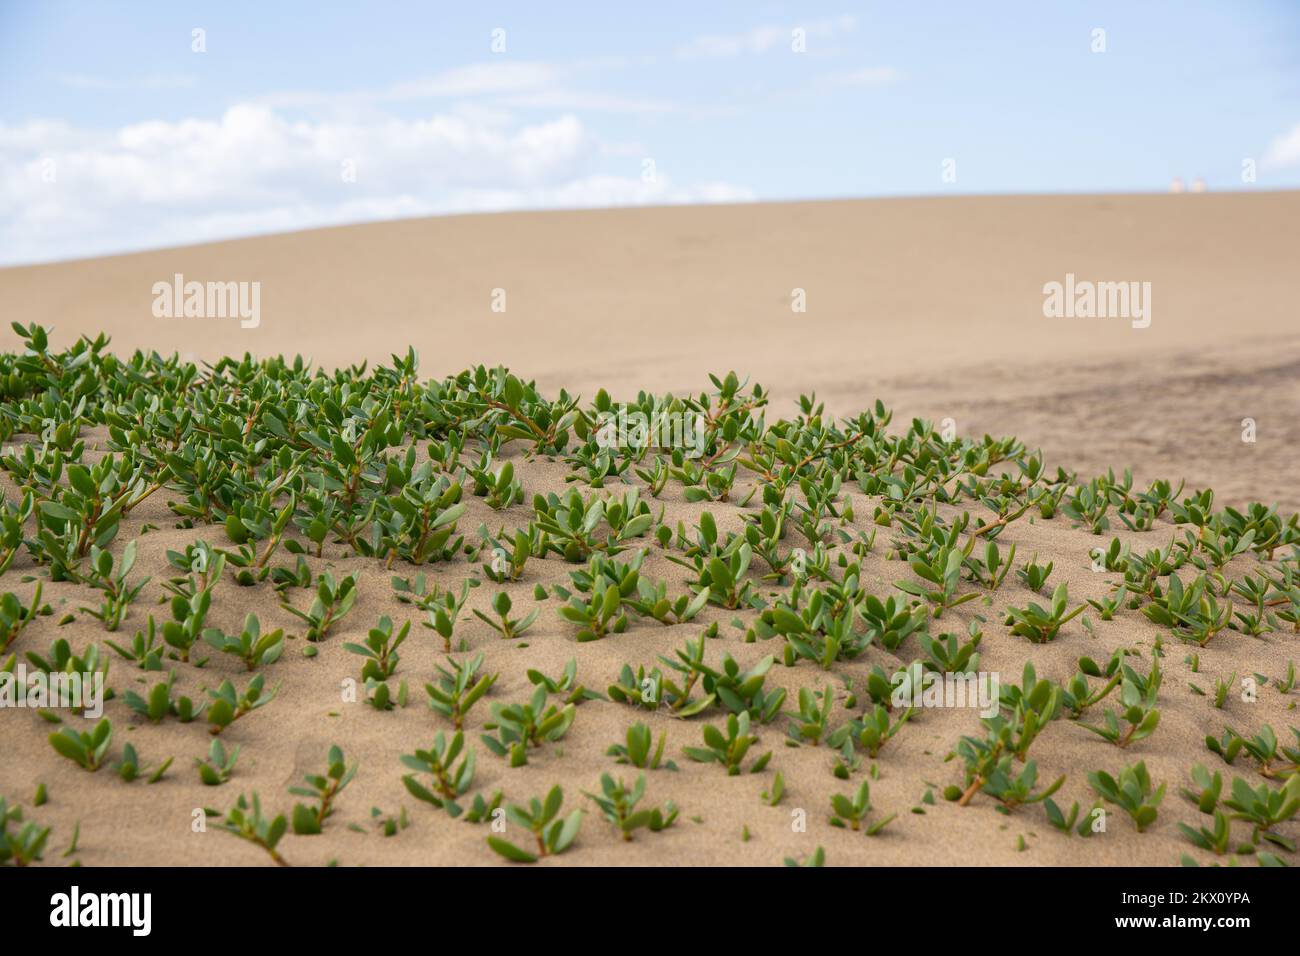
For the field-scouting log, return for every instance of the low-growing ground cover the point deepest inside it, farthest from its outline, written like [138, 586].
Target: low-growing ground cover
[368, 617]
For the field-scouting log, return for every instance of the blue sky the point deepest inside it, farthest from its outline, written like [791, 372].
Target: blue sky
[116, 135]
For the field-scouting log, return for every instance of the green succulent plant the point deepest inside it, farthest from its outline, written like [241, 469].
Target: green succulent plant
[850, 812]
[87, 749]
[1131, 791]
[521, 726]
[246, 821]
[729, 747]
[552, 833]
[617, 803]
[323, 788]
[219, 764]
[638, 751]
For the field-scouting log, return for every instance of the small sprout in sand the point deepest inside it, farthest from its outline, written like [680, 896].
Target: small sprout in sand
[1078, 694]
[1264, 807]
[940, 574]
[185, 628]
[1222, 688]
[451, 779]
[1087, 507]
[1041, 624]
[880, 687]
[598, 611]
[129, 769]
[1207, 789]
[16, 615]
[566, 683]
[481, 810]
[61, 660]
[552, 833]
[380, 649]
[443, 609]
[506, 564]
[1107, 606]
[145, 650]
[637, 751]
[1286, 684]
[1031, 706]
[818, 858]
[617, 803]
[519, 726]
[324, 789]
[992, 569]
[299, 576]
[334, 600]
[729, 749]
[250, 646]
[851, 812]
[813, 632]
[1215, 840]
[871, 731]
[507, 627]
[1193, 613]
[1275, 760]
[109, 578]
[228, 704]
[500, 489]
[246, 821]
[218, 766]
[652, 601]
[1132, 792]
[809, 724]
[159, 703]
[725, 580]
[389, 825]
[1013, 790]
[202, 566]
[890, 622]
[742, 691]
[947, 655]
[1138, 696]
[87, 750]
[1070, 823]
[24, 844]
[456, 691]
[253, 521]
[1034, 575]
[655, 477]
[774, 796]
[380, 696]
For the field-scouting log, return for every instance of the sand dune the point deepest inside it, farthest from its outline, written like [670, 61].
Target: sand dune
[933, 305]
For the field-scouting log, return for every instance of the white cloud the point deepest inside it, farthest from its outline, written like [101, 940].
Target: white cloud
[763, 38]
[509, 82]
[477, 79]
[70, 192]
[1284, 151]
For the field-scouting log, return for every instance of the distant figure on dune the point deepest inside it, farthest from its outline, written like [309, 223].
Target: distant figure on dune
[1198, 185]
[1177, 185]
